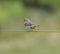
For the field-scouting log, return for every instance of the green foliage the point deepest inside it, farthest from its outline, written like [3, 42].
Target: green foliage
[54, 3]
[10, 10]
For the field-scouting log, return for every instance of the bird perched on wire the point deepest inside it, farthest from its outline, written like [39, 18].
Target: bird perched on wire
[29, 25]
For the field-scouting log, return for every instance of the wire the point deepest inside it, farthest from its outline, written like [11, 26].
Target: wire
[30, 31]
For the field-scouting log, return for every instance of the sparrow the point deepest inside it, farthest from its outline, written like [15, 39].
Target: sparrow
[29, 24]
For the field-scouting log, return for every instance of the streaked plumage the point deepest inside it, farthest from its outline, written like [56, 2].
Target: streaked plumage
[29, 25]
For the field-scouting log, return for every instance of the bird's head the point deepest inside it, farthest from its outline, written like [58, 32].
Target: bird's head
[26, 19]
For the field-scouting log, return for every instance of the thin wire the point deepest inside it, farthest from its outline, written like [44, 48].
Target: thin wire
[30, 31]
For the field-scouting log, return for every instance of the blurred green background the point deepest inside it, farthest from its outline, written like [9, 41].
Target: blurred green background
[43, 12]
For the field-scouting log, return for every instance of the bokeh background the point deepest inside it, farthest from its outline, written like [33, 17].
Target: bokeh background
[43, 12]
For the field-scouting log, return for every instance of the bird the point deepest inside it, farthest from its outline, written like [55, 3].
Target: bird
[29, 24]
